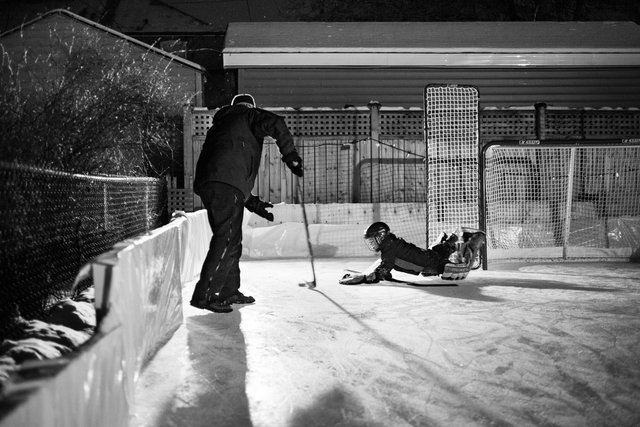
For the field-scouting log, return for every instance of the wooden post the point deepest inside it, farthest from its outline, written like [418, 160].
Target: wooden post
[374, 132]
[355, 174]
[541, 120]
[374, 137]
[541, 134]
[187, 156]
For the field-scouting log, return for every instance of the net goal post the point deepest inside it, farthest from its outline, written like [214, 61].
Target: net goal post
[452, 136]
[424, 187]
[560, 199]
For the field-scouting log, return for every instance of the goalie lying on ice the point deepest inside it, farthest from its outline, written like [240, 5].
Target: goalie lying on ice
[450, 258]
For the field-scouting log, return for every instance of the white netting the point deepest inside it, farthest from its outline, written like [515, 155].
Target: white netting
[549, 202]
[451, 126]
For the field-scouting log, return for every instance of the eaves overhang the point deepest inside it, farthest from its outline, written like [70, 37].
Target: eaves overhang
[235, 58]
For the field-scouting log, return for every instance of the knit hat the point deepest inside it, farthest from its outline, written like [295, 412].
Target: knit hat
[243, 98]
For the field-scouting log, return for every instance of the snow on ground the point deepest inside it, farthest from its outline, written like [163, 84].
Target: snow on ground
[519, 344]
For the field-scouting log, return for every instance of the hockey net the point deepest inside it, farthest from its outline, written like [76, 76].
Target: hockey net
[452, 135]
[561, 199]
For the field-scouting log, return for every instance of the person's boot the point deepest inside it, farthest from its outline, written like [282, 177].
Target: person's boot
[199, 297]
[239, 298]
[218, 305]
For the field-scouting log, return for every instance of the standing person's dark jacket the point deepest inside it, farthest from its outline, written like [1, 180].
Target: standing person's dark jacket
[233, 146]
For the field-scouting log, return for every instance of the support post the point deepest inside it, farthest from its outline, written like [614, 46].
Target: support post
[568, 204]
[374, 137]
[187, 156]
[355, 153]
[541, 120]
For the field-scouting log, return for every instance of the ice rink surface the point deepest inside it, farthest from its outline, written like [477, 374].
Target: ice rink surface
[522, 344]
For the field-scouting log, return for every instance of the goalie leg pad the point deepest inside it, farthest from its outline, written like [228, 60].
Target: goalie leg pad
[455, 271]
[467, 252]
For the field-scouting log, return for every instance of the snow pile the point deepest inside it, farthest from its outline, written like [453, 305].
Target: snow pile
[69, 325]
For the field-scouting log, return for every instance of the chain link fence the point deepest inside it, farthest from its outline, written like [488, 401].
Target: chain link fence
[52, 223]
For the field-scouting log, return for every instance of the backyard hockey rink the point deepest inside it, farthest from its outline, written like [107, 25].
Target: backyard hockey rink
[519, 344]
[522, 344]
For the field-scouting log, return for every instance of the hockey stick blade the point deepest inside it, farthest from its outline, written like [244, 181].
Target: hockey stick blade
[310, 285]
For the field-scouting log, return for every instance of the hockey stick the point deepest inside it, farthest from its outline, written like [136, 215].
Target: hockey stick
[407, 282]
[312, 284]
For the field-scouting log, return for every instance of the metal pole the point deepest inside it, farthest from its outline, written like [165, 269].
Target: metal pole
[568, 204]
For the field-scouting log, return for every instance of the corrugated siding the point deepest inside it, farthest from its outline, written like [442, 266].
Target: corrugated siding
[36, 38]
[607, 87]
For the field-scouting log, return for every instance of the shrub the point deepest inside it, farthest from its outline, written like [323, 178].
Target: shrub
[89, 107]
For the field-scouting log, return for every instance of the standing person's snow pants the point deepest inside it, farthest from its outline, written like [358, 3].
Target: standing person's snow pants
[220, 272]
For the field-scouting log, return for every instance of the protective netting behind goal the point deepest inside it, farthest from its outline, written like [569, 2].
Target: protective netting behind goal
[452, 134]
[555, 199]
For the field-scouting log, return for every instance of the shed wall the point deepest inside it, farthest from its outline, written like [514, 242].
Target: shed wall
[503, 87]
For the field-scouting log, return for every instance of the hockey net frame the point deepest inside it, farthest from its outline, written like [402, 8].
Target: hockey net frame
[452, 136]
[560, 199]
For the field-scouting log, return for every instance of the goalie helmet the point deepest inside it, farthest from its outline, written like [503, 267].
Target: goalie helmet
[375, 234]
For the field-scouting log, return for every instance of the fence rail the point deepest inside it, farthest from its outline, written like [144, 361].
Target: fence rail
[339, 139]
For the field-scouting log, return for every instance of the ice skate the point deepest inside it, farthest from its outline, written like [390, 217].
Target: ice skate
[474, 239]
[473, 236]
[465, 258]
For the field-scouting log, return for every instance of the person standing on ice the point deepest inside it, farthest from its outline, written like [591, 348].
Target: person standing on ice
[225, 174]
[451, 258]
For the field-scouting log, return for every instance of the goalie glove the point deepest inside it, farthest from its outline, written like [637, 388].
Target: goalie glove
[257, 206]
[357, 278]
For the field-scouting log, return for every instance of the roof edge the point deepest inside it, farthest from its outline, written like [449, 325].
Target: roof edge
[432, 59]
[111, 31]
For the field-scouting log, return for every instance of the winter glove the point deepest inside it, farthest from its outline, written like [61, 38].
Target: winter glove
[257, 206]
[178, 214]
[294, 162]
